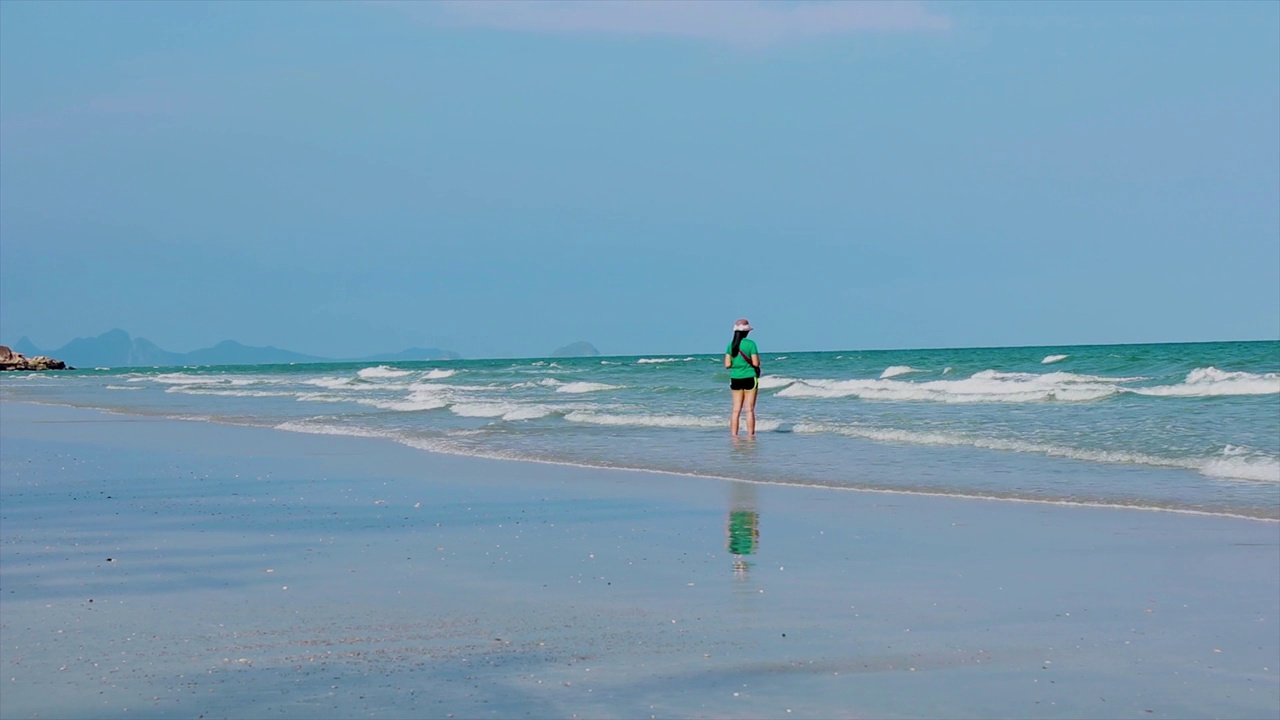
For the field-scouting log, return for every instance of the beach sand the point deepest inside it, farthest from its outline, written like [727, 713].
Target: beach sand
[161, 568]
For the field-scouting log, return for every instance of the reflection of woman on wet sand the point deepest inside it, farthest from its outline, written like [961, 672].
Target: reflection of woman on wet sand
[743, 526]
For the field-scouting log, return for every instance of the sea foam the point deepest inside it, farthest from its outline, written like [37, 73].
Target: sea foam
[178, 379]
[1211, 382]
[769, 382]
[382, 371]
[983, 387]
[506, 411]
[1242, 464]
[897, 370]
[644, 420]
[1257, 467]
[190, 390]
[328, 382]
[416, 401]
[585, 387]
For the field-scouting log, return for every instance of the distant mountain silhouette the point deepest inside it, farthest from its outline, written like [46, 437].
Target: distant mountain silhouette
[116, 348]
[26, 347]
[581, 348]
[412, 355]
[230, 352]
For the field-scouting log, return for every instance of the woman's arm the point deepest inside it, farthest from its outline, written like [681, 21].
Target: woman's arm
[728, 361]
[755, 361]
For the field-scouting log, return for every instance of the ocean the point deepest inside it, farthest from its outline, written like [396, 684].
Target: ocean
[1189, 427]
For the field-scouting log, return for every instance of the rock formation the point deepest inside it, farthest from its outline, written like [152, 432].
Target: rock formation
[10, 360]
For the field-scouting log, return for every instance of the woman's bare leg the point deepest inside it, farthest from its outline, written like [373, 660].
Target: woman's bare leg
[750, 405]
[738, 396]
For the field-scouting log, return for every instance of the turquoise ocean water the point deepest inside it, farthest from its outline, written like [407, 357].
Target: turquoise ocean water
[1189, 427]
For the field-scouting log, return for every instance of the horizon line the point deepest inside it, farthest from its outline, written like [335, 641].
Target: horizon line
[371, 357]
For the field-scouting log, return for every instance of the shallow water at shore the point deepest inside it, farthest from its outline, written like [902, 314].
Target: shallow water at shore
[1192, 427]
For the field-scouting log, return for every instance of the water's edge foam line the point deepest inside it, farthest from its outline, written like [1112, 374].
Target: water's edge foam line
[420, 446]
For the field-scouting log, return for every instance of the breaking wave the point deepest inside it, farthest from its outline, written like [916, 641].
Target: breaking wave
[382, 371]
[1234, 463]
[983, 387]
[897, 370]
[585, 387]
[1212, 382]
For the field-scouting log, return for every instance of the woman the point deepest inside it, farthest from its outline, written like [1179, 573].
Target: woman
[742, 360]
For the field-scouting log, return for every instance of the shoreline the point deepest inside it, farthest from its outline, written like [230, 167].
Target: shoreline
[500, 457]
[162, 568]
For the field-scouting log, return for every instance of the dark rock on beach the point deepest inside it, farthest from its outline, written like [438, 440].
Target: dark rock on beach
[10, 360]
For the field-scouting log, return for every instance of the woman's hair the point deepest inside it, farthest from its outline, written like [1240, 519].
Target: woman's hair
[737, 340]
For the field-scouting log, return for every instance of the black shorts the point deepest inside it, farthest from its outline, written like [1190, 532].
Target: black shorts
[743, 383]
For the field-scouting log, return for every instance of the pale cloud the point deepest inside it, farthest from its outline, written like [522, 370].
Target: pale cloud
[737, 22]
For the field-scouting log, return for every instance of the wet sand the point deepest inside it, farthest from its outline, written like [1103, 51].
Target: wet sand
[161, 568]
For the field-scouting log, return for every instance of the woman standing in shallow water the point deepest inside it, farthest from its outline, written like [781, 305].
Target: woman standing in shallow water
[742, 360]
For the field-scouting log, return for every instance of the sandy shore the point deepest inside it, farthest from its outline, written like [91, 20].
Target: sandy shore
[158, 568]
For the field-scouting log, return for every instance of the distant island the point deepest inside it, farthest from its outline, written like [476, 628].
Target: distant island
[117, 348]
[581, 348]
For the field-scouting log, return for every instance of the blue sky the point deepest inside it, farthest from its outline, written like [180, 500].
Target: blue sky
[501, 179]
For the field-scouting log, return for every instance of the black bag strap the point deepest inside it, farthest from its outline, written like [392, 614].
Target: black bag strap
[753, 367]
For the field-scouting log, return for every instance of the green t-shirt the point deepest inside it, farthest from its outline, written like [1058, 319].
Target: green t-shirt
[741, 368]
